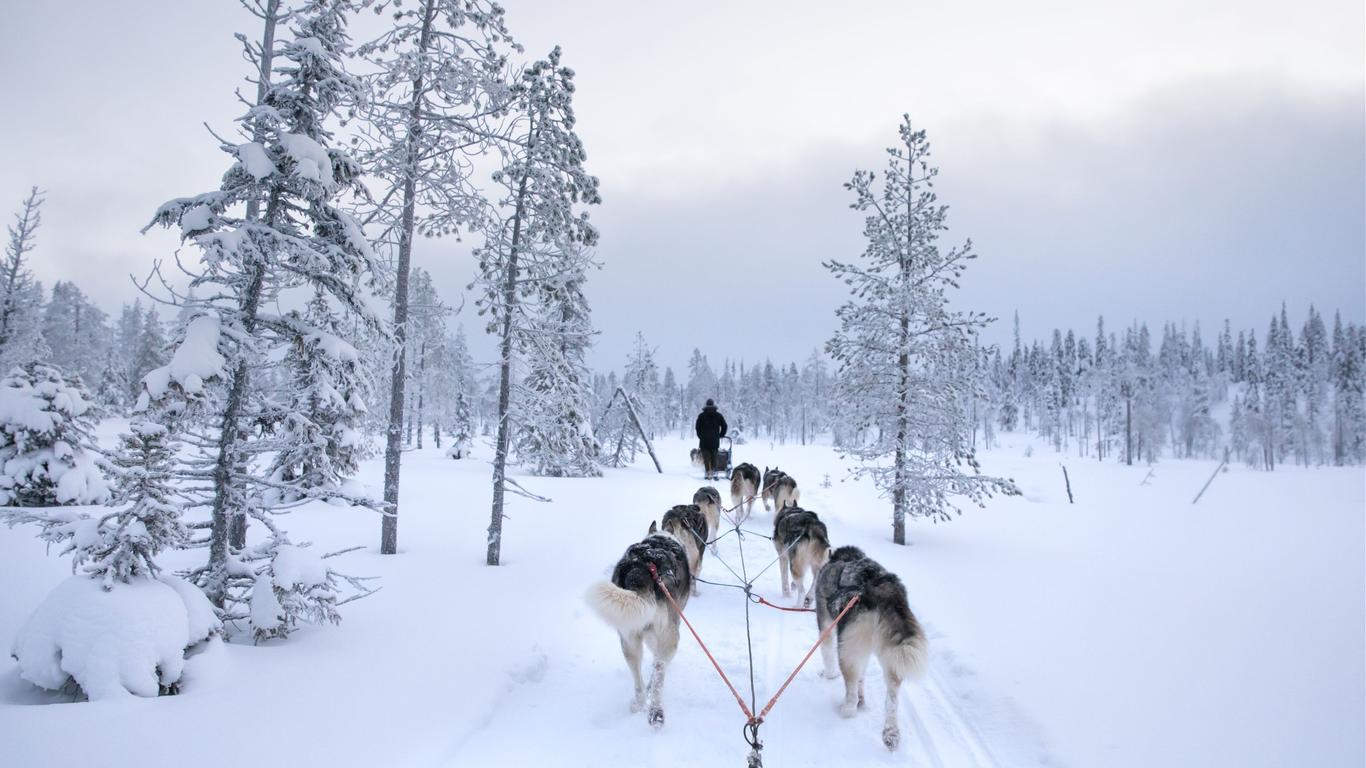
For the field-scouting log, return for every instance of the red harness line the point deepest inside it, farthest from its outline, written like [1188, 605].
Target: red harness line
[743, 707]
[761, 601]
[750, 718]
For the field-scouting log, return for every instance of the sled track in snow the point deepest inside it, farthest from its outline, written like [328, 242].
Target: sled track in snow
[958, 724]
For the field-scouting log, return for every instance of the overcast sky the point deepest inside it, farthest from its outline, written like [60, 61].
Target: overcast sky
[1157, 160]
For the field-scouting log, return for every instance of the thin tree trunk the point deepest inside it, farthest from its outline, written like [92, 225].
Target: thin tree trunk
[393, 448]
[237, 531]
[421, 388]
[1128, 432]
[500, 454]
[903, 363]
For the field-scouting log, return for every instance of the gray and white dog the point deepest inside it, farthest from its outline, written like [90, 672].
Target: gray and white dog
[803, 546]
[744, 486]
[781, 488]
[633, 605]
[708, 499]
[687, 524]
[880, 623]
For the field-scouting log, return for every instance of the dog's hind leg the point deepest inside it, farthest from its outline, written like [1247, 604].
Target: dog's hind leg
[891, 732]
[631, 649]
[785, 568]
[855, 646]
[828, 657]
[664, 647]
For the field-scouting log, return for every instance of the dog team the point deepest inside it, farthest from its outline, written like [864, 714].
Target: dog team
[880, 623]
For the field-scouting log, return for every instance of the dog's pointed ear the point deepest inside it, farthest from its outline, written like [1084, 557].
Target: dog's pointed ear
[653, 527]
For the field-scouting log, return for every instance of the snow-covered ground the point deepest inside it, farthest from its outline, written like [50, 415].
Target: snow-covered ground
[1128, 629]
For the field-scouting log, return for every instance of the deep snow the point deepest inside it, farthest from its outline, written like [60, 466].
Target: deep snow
[1130, 628]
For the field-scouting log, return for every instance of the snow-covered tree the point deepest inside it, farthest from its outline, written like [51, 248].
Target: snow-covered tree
[901, 350]
[537, 234]
[46, 450]
[555, 435]
[294, 245]
[438, 89]
[21, 296]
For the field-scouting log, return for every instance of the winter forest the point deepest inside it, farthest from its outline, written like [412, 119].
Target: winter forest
[360, 440]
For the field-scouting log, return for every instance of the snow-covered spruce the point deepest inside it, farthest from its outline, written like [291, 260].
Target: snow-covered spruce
[21, 295]
[118, 625]
[905, 358]
[556, 437]
[534, 236]
[47, 456]
[272, 235]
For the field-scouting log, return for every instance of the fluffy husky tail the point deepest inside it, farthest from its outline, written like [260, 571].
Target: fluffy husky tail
[624, 610]
[909, 658]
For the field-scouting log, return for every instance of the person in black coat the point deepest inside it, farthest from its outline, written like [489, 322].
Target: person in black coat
[711, 427]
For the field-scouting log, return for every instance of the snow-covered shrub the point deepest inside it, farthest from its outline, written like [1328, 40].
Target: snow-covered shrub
[295, 586]
[111, 642]
[47, 456]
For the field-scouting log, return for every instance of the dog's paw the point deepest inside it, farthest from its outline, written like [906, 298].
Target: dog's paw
[830, 674]
[848, 710]
[861, 703]
[637, 704]
[891, 737]
[657, 717]
[807, 601]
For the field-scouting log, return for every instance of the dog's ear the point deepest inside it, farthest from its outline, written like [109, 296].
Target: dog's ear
[653, 527]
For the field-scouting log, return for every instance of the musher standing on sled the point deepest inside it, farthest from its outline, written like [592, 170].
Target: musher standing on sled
[711, 427]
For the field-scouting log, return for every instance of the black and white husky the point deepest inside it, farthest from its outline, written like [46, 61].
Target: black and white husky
[780, 487]
[633, 605]
[744, 486]
[687, 524]
[880, 623]
[803, 547]
[708, 499]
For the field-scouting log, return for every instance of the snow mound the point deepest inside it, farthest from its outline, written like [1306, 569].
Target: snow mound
[130, 639]
[195, 219]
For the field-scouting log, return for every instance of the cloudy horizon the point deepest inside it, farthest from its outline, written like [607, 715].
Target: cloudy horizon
[1208, 163]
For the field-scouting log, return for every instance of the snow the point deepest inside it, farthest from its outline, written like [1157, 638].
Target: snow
[254, 158]
[195, 219]
[196, 359]
[130, 639]
[297, 567]
[311, 160]
[1128, 629]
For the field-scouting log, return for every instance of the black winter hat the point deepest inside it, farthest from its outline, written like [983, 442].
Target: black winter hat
[711, 403]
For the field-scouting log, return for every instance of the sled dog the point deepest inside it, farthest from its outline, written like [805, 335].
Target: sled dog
[744, 486]
[687, 524]
[781, 488]
[633, 605]
[695, 456]
[880, 624]
[708, 499]
[803, 546]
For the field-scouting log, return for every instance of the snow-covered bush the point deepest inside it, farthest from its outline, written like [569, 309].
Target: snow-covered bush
[111, 642]
[47, 457]
[117, 625]
[295, 586]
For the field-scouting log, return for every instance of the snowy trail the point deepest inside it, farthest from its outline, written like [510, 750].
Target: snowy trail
[577, 692]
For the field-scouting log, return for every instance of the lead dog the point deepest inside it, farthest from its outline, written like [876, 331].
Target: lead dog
[803, 546]
[880, 623]
[708, 499]
[633, 605]
[781, 488]
[687, 524]
[744, 486]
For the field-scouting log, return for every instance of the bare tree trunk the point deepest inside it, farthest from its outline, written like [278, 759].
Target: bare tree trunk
[393, 448]
[500, 453]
